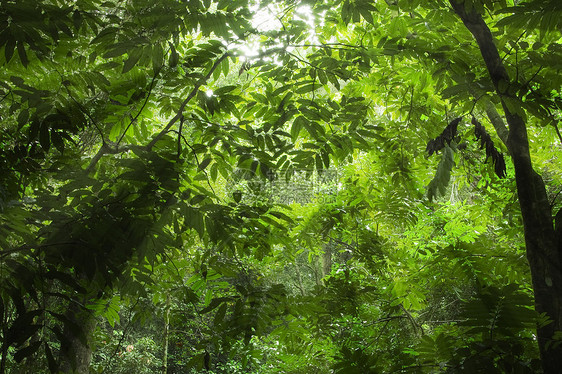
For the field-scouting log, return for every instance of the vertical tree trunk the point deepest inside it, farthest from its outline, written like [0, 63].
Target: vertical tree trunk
[76, 350]
[540, 238]
[3, 345]
[166, 334]
[299, 277]
[327, 259]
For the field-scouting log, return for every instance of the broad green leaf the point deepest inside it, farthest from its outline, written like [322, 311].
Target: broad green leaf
[132, 60]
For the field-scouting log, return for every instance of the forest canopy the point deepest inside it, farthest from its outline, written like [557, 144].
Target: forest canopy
[289, 186]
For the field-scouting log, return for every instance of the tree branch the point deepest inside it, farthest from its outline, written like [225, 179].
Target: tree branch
[150, 88]
[191, 95]
[497, 121]
[104, 150]
[107, 149]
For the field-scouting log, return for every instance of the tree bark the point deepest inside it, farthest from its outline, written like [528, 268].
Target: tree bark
[76, 350]
[3, 345]
[540, 238]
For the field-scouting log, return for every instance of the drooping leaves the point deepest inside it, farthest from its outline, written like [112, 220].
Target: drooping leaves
[439, 183]
[491, 151]
[444, 138]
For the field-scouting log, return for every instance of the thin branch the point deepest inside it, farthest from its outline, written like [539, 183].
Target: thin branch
[416, 325]
[334, 46]
[85, 112]
[191, 95]
[6, 95]
[554, 199]
[197, 160]
[418, 367]
[180, 136]
[411, 106]
[7, 252]
[386, 322]
[303, 60]
[555, 124]
[104, 150]
[182, 285]
[476, 99]
[123, 335]
[349, 246]
[511, 48]
[143, 105]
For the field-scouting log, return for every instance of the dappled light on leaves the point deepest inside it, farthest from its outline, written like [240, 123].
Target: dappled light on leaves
[229, 186]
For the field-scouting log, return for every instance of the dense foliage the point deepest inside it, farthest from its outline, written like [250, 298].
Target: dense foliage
[297, 186]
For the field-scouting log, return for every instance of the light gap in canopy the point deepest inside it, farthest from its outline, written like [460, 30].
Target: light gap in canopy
[267, 19]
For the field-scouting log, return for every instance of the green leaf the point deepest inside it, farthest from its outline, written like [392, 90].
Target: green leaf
[307, 88]
[237, 196]
[22, 54]
[132, 60]
[346, 12]
[57, 141]
[220, 314]
[157, 56]
[204, 163]
[365, 13]
[174, 57]
[9, 49]
[214, 303]
[117, 50]
[108, 33]
[44, 137]
[194, 219]
[23, 117]
[443, 174]
[282, 216]
[22, 328]
[52, 364]
[27, 351]
[115, 132]
[325, 158]
[298, 124]
[454, 90]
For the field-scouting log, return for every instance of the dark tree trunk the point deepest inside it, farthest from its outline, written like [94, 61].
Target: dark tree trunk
[76, 350]
[3, 344]
[540, 238]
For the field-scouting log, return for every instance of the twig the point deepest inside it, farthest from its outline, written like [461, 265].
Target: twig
[180, 135]
[334, 46]
[186, 101]
[106, 149]
[5, 96]
[123, 335]
[555, 124]
[85, 112]
[412, 320]
[511, 48]
[418, 367]
[143, 105]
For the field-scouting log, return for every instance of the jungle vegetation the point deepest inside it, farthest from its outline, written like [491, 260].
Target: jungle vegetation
[289, 186]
